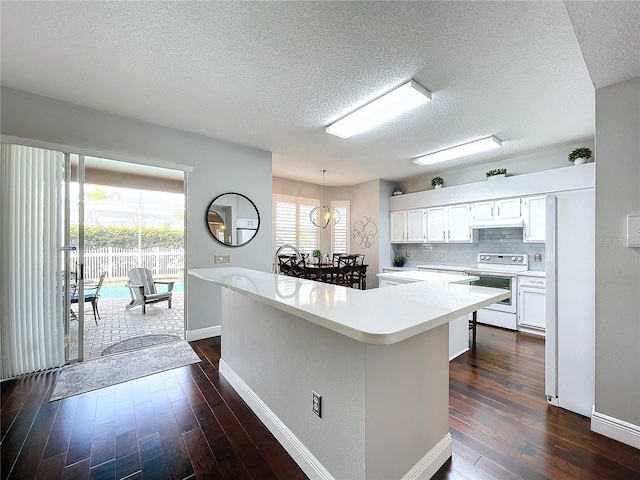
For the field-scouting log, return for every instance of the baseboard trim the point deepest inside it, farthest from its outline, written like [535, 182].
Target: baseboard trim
[614, 428]
[302, 456]
[456, 355]
[203, 333]
[432, 461]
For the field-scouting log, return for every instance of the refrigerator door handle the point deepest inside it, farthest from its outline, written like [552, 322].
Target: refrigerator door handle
[551, 271]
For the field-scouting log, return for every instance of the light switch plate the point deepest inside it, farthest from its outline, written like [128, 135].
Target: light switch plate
[221, 259]
[633, 230]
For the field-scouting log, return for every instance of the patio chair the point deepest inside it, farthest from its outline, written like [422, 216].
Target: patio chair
[91, 294]
[142, 288]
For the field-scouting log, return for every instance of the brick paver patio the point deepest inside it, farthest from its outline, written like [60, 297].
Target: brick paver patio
[117, 324]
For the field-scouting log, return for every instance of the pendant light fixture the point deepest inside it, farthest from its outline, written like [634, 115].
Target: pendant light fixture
[324, 216]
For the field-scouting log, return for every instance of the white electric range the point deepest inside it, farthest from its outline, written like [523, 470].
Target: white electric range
[500, 270]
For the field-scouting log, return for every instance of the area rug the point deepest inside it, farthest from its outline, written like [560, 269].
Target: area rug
[103, 372]
[135, 343]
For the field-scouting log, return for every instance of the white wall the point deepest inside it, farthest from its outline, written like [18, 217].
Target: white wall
[617, 266]
[533, 162]
[218, 167]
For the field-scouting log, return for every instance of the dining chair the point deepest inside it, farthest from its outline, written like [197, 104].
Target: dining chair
[346, 270]
[91, 294]
[359, 272]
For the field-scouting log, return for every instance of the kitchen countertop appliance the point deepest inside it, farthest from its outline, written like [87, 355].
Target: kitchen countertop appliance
[500, 270]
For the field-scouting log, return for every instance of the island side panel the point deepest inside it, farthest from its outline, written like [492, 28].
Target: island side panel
[407, 406]
[282, 358]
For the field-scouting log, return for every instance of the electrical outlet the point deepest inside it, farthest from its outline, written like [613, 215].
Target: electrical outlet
[221, 259]
[537, 257]
[317, 402]
[407, 253]
[442, 255]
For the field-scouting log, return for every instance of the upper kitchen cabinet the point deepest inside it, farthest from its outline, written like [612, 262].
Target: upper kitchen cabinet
[498, 209]
[534, 215]
[409, 226]
[449, 224]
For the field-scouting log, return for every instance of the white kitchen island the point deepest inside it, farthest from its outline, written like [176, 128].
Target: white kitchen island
[378, 358]
[458, 327]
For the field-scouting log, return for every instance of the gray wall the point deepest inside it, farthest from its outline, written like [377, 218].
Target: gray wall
[617, 266]
[218, 167]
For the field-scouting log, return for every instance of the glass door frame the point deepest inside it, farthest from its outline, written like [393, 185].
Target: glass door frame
[78, 270]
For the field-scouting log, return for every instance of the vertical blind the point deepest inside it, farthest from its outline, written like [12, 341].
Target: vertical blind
[31, 301]
[292, 223]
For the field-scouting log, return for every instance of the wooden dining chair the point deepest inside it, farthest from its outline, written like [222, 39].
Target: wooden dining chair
[285, 264]
[360, 272]
[346, 270]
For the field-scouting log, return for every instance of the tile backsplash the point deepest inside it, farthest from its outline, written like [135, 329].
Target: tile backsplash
[493, 240]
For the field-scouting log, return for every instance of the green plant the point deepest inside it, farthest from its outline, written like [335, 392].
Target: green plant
[437, 181]
[399, 260]
[496, 171]
[582, 152]
[317, 253]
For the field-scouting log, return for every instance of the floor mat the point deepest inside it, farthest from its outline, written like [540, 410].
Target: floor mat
[135, 343]
[104, 372]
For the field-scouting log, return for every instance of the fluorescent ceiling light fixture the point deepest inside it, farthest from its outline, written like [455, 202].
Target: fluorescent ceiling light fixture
[476, 146]
[399, 100]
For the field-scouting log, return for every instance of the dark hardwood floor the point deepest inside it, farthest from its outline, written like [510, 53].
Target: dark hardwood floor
[190, 423]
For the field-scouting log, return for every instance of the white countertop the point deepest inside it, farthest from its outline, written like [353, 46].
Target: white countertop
[532, 273]
[399, 269]
[378, 316]
[455, 268]
[426, 276]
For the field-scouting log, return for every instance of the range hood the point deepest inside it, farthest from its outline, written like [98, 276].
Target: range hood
[498, 223]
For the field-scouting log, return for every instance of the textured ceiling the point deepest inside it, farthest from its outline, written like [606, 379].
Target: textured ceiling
[609, 37]
[273, 75]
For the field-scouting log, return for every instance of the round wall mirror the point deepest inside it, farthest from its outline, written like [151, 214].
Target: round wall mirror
[232, 219]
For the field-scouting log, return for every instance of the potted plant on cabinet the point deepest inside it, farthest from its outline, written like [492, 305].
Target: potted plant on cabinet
[580, 155]
[437, 182]
[398, 260]
[496, 173]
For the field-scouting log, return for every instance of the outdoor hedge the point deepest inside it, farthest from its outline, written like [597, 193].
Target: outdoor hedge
[127, 237]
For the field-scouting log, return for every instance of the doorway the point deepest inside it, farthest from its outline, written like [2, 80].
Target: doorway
[132, 217]
[47, 279]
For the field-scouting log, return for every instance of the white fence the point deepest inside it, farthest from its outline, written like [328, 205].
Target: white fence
[118, 261]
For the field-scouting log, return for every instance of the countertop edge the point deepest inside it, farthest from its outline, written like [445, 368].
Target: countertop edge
[387, 338]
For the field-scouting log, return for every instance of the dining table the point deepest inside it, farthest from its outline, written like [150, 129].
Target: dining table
[326, 272]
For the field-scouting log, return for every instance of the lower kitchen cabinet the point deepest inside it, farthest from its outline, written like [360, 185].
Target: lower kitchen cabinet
[532, 312]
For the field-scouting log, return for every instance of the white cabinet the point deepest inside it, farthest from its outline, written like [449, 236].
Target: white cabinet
[416, 225]
[449, 224]
[534, 214]
[398, 226]
[408, 226]
[483, 210]
[498, 209]
[508, 208]
[458, 222]
[436, 224]
[532, 312]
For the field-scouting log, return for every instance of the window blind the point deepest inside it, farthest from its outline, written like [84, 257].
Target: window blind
[340, 231]
[292, 223]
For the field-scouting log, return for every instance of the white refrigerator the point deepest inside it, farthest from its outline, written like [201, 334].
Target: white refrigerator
[570, 300]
